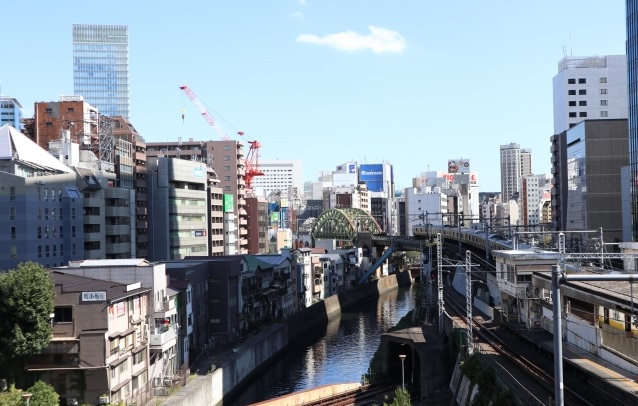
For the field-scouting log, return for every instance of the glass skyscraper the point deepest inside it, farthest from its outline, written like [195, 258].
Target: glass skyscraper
[100, 67]
[632, 95]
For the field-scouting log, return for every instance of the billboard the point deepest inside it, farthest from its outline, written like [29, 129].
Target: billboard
[458, 166]
[372, 175]
[229, 203]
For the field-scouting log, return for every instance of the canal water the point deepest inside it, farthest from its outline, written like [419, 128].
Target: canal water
[339, 354]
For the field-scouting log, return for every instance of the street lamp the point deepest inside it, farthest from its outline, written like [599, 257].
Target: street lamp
[26, 396]
[402, 356]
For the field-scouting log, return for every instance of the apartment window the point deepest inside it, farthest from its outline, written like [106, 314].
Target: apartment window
[603, 91]
[46, 213]
[46, 194]
[603, 114]
[226, 188]
[572, 114]
[571, 81]
[48, 110]
[572, 103]
[70, 109]
[582, 81]
[571, 92]
[603, 102]
[39, 251]
[39, 232]
[14, 252]
[582, 92]
[226, 157]
[582, 103]
[73, 214]
[582, 114]
[226, 168]
[12, 213]
[61, 231]
[73, 231]
[226, 147]
[227, 178]
[63, 314]
[603, 80]
[48, 124]
[13, 193]
[13, 233]
[46, 251]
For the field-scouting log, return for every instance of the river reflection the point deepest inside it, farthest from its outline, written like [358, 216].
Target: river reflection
[340, 353]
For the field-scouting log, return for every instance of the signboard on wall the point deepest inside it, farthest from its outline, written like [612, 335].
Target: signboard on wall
[229, 203]
[93, 296]
[372, 175]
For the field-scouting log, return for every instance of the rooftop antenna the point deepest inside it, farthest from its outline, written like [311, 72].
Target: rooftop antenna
[571, 53]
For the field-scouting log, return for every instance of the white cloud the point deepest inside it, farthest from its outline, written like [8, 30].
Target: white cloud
[379, 40]
[296, 14]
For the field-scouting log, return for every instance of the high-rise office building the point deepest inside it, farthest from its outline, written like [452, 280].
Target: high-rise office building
[589, 88]
[632, 93]
[515, 163]
[279, 175]
[11, 113]
[100, 67]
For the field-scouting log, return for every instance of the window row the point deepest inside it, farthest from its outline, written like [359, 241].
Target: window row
[581, 81]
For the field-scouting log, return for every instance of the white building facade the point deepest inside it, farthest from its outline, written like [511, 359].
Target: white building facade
[589, 88]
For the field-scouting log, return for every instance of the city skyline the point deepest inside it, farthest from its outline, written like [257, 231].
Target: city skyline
[408, 83]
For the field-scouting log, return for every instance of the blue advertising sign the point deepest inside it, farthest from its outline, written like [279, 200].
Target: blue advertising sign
[372, 175]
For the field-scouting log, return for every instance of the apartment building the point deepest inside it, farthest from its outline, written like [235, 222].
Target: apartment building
[99, 338]
[41, 214]
[161, 318]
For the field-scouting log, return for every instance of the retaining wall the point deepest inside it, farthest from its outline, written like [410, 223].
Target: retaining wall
[233, 369]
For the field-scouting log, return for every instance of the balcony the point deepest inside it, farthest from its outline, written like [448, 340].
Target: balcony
[163, 340]
[165, 308]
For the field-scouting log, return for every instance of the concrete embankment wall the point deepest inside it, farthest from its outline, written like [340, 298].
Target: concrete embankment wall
[258, 352]
[311, 395]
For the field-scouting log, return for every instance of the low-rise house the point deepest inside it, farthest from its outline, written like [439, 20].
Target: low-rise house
[99, 350]
[164, 370]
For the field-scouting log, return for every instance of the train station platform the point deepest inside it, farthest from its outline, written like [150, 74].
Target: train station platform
[606, 377]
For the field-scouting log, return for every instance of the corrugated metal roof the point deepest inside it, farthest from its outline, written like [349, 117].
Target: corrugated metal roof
[114, 262]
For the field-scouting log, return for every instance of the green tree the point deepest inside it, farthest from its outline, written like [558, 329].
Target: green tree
[27, 297]
[401, 398]
[11, 398]
[43, 395]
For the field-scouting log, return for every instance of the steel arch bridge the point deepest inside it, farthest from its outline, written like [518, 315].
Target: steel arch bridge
[344, 224]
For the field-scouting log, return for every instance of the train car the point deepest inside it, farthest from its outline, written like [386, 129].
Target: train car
[472, 237]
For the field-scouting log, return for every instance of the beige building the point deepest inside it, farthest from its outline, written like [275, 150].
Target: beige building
[227, 160]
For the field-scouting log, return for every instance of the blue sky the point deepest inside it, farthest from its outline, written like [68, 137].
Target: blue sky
[410, 82]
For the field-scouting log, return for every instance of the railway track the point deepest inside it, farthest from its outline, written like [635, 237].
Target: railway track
[366, 395]
[533, 371]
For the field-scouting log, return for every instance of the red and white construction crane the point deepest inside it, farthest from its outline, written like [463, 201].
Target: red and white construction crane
[252, 158]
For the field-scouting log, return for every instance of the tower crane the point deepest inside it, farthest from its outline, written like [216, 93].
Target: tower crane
[204, 111]
[251, 161]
